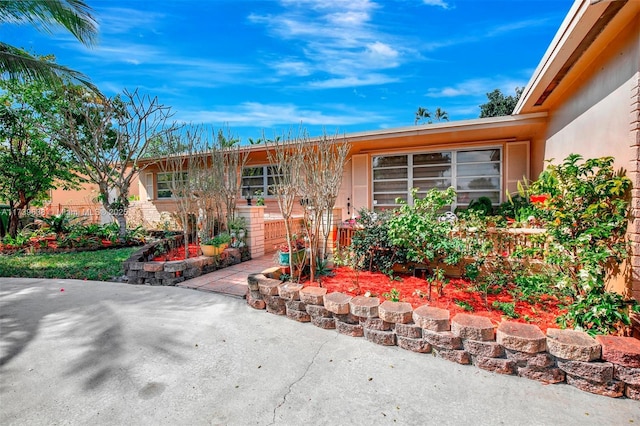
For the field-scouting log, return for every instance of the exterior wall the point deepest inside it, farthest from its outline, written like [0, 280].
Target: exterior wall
[594, 118]
[601, 117]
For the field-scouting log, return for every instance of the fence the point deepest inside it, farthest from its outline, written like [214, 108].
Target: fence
[275, 232]
[505, 240]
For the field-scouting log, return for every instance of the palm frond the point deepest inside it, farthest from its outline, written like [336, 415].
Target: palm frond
[74, 15]
[18, 64]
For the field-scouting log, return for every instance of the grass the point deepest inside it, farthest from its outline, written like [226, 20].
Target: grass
[101, 265]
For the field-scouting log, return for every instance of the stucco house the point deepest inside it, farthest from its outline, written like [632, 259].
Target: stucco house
[584, 97]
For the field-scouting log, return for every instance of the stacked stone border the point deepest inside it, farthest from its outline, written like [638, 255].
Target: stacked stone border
[605, 365]
[140, 269]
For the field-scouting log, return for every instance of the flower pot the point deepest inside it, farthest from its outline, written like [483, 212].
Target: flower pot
[283, 258]
[211, 251]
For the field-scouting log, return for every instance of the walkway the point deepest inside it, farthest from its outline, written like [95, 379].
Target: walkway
[231, 281]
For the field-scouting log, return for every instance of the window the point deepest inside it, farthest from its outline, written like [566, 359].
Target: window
[165, 182]
[473, 173]
[259, 178]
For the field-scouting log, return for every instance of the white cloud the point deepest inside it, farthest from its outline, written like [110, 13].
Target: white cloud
[115, 20]
[336, 37]
[352, 81]
[477, 87]
[256, 114]
[441, 3]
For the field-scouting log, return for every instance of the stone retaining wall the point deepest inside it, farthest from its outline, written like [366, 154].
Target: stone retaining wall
[606, 365]
[140, 269]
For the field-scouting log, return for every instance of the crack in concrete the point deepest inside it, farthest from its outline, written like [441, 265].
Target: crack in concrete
[299, 379]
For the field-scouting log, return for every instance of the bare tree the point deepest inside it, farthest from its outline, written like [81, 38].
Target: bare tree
[285, 155]
[233, 159]
[323, 160]
[182, 168]
[109, 137]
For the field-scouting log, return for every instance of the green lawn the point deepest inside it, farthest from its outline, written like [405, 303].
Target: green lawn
[101, 265]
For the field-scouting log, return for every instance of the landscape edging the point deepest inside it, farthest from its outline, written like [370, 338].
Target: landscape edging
[605, 365]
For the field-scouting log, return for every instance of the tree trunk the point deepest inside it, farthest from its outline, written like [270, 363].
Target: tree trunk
[122, 223]
[14, 222]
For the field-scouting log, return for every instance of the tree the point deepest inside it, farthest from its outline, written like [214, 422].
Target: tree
[182, 164]
[233, 159]
[109, 137]
[30, 163]
[441, 115]
[500, 104]
[74, 15]
[285, 156]
[423, 114]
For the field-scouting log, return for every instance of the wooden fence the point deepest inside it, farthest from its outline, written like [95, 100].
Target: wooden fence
[275, 232]
[505, 240]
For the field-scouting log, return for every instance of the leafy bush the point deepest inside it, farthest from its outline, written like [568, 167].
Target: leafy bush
[420, 230]
[585, 204]
[371, 245]
[60, 223]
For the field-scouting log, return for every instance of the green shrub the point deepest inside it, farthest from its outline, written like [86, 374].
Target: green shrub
[585, 204]
[371, 247]
[420, 230]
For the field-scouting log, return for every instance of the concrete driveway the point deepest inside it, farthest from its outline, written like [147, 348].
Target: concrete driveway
[108, 353]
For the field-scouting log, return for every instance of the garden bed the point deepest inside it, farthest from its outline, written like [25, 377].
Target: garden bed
[163, 263]
[457, 296]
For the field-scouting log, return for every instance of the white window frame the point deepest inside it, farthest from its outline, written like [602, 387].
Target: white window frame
[265, 180]
[454, 174]
[158, 182]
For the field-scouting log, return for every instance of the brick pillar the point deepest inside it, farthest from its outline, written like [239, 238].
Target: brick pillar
[254, 216]
[634, 175]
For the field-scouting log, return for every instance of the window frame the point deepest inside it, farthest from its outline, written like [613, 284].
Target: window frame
[157, 189]
[265, 180]
[453, 177]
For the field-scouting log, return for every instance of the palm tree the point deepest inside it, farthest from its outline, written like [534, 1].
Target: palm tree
[441, 114]
[74, 15]
[422, 114]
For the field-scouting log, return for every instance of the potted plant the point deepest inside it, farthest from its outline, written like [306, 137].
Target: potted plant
[298, 248]
[216, 245]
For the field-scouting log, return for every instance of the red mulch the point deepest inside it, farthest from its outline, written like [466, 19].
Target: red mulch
[178, 253]
[414, 290]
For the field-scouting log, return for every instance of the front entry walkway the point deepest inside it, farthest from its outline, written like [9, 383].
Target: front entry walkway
[232, 280]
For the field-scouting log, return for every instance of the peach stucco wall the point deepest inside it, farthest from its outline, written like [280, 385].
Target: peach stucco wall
[594, 117]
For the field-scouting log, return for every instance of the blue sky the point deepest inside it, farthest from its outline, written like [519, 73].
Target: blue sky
[339, 65]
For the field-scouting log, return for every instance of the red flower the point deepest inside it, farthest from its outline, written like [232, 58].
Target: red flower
[539, 198]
